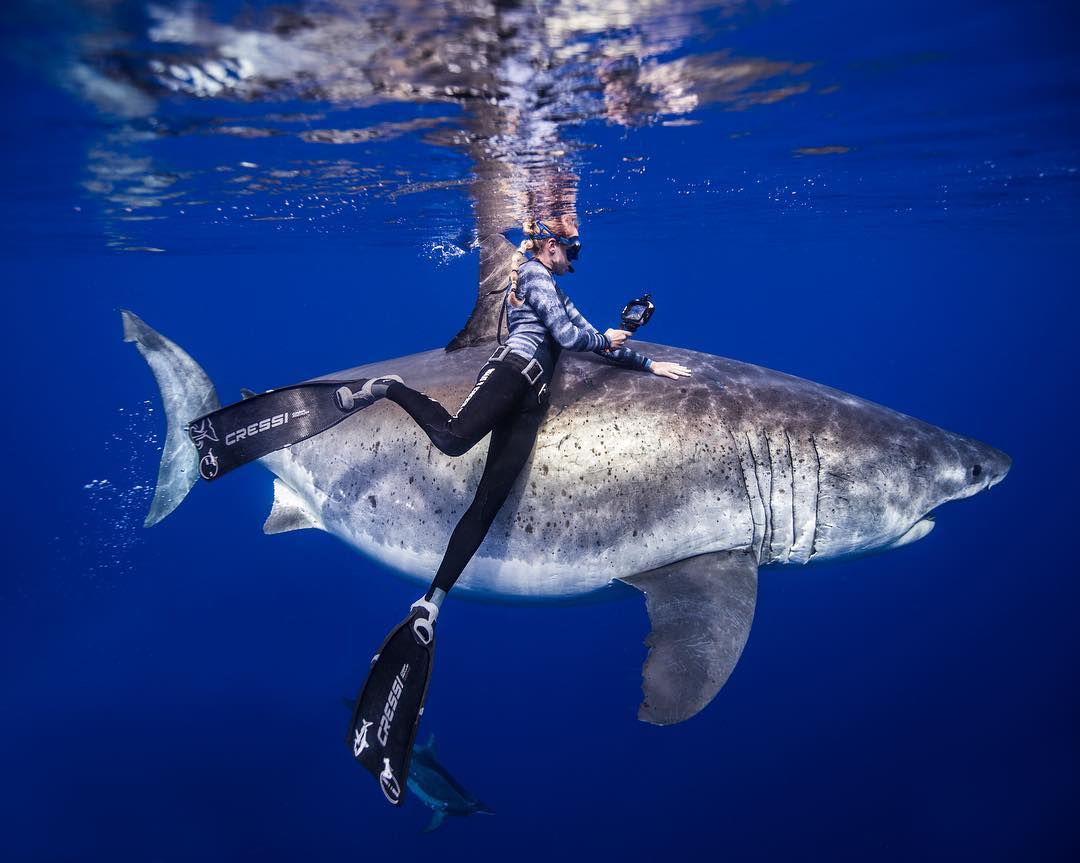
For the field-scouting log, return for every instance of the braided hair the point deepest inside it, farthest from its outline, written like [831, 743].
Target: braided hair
[529, 244]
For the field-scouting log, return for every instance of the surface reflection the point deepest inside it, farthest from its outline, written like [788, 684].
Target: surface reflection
[518, 78]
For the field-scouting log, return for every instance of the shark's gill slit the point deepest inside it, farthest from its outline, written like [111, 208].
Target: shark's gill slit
[817, 497]
[791, 476]
[772, 505]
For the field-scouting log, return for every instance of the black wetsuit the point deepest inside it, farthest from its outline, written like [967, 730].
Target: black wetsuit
[503, 403]
[507, 403]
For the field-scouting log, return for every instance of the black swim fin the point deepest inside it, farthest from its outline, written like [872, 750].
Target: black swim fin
[261, 424]
[387, 713]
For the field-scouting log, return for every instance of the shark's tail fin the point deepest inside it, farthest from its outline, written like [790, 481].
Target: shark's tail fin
[187, 393]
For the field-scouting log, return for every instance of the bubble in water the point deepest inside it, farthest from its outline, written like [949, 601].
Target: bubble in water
[442, 252]
[115, 505]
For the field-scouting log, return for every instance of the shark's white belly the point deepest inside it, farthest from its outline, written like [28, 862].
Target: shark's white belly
[578, 516]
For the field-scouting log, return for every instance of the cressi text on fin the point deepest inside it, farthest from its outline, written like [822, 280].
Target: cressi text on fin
[387, 712]
[261, 424]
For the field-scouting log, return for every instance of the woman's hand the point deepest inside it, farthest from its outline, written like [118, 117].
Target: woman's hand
[617, 337]
[670, 370]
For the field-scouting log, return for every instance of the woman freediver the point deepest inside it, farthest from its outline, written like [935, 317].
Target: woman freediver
[508, 401]
[511, 392]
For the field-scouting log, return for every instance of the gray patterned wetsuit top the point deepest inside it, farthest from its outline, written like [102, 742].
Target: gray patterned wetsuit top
[547, 311]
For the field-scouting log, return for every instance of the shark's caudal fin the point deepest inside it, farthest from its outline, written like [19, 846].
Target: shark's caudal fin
[187, 393]
[496, 256]
[701, 609]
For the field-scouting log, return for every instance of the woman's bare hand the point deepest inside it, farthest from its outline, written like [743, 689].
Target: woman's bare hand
[617, 337]
[670, 370]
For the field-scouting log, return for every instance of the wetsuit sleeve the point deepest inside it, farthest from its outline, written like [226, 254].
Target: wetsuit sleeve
[544, 299]
[621, 356]
[624, 356]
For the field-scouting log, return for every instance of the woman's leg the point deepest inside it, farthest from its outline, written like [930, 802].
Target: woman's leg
[511, 444]
[494, 397]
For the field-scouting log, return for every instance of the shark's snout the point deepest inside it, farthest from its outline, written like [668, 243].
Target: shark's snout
[988, 466]
[981, 467]
[1000, 465]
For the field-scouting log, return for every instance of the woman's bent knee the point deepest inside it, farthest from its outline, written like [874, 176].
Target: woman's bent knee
[454, 446]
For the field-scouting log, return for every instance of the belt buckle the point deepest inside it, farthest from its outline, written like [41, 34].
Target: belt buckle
[539, 371]
[500, 352]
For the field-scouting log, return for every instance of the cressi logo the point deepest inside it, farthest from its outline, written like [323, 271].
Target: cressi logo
[202, 432]
[391, 788]
[208, 465]
[256, 428]
[360, 742]
[391, 704]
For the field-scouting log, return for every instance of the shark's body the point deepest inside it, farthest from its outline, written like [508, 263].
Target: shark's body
[437, 789]
[631, 472]
[679, 488]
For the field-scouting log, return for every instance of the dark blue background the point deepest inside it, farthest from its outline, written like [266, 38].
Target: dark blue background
[175, 694]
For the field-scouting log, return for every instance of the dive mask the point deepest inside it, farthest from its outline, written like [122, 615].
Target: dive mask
[572, 245]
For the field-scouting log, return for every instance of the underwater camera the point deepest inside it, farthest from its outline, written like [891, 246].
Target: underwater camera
[636, 313]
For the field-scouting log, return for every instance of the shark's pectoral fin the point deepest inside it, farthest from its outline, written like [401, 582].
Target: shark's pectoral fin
[289, 512]
[437, 818]
[701, 609]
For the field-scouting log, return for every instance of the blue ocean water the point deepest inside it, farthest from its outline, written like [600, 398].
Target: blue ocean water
[882, 198]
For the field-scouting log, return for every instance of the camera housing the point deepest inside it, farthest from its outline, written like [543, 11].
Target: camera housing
[636, 313]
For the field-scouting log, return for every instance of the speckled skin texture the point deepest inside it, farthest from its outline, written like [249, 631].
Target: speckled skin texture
[632, 471]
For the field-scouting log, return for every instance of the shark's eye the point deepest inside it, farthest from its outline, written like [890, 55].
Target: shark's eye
[977, 470]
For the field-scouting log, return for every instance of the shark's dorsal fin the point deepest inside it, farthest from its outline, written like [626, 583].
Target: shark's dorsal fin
[701, 609]
[289, 512]
[496, 256]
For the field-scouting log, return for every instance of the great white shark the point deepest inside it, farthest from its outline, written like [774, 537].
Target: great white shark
[682, 489]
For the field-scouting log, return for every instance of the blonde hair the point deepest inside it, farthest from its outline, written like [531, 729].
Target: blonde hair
[564, 226]
[527, 245]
